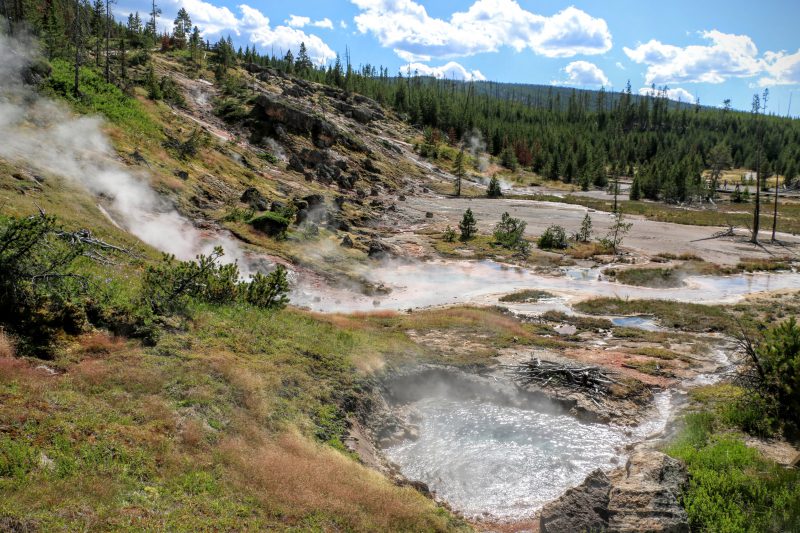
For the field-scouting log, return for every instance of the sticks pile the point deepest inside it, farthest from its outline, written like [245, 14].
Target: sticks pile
[589, 379]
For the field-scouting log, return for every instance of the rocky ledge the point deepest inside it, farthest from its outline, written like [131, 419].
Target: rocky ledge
[642, 496]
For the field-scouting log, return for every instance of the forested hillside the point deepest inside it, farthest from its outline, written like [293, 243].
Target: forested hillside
[587, 138]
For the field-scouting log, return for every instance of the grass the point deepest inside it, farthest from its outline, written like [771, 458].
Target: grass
[732, 487]
[526, 296]
[97, 96]
[647, 277]
[485, 247]
[677, 315]
[232, 424]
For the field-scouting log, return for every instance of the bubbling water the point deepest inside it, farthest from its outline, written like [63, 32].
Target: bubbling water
[497, 453]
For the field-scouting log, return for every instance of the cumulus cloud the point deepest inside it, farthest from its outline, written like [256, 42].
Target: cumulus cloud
[281, 38]
[213, 20]
[487, 26]
[295, 21]
[726, 56]
[582, 73]
[210, 19]
[449, 71]
[781, 69]
[677, 94]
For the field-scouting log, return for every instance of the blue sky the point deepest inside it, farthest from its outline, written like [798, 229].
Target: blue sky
[704, 49]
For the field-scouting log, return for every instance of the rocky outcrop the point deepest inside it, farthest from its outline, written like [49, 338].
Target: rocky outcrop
[583, 508]
[275, 110]
[643, 496]
[253, 197]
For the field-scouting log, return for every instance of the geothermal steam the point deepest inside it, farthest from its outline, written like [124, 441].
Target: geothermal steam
[45, 136]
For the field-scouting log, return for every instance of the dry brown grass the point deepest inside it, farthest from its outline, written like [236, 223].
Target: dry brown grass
[297, 478]
[586, 250]
[7, 348]
[100, 343]
[90, 373]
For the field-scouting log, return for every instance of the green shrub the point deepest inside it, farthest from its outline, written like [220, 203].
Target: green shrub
[270, 291]
[732, 488]
[168, 286]
[97, 96]
[17, 457]
[509, 234]
[553, 238]
[449, 234]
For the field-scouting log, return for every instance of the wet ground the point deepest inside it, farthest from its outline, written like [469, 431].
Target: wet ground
[418, 284]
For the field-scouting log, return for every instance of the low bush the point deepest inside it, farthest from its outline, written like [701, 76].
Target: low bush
[553, 238]
[732, 488]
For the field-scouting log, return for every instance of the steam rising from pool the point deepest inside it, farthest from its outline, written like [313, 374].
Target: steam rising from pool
[433, 283]
[497, 453]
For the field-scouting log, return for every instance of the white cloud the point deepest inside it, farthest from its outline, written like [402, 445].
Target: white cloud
[210, 19]
[619, 65]
[726, 56]
[678, 94]
[449, 71]
[487, 26]
[343, 24]
[295, 21]
[582, 73]
[281, 38]
[781, 69]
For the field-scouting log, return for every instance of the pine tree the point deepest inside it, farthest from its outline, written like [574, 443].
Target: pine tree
[468, 225]
[459, 171]
[303, 63]
[493, 191]
[182, 27]
[585, 233]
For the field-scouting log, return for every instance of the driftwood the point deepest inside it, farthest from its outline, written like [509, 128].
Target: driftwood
[730, 232]
[589, 379]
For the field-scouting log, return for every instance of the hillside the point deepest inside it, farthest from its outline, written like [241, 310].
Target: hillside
[149, 383]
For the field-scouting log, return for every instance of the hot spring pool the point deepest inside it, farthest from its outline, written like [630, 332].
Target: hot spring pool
[490, 451]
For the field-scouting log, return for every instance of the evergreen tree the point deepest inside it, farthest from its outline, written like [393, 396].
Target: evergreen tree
[459, 171]
[468, 225]
[585, 233]
[493, 191]
[303, 63]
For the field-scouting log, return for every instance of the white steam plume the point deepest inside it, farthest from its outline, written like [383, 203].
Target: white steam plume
[44, 135]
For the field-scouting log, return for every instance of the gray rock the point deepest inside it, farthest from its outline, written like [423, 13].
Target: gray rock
[296, 164]
[645, 495]
[583, 508]
[347, 242]
[642, 496]
[253, 197]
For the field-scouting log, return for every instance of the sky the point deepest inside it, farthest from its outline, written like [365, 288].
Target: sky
[709, 50]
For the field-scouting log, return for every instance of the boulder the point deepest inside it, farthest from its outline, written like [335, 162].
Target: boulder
[296, 164]
[271, 223]
[277, 111]
[583, 508]
[646, 494]
[347, 242]
[642, 496]
[253, 197]
[314, 200]
[369, 166]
